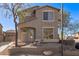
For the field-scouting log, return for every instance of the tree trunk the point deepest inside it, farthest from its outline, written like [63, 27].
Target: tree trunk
[16, 37]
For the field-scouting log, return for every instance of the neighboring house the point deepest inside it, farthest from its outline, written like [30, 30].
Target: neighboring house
[39, 23]
[9, 35]
[1, 33]
[70, 38]
[76, 37]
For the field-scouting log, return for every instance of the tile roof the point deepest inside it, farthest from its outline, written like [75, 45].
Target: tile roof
[39, 7]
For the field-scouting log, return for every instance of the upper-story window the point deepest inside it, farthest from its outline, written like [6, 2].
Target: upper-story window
[47, 15]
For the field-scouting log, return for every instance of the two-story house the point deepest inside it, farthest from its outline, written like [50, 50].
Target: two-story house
[1, 33]
[39, 23]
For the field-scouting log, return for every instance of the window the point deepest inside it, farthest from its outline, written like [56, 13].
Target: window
[47, 15]
[33, 13]
[48, 33]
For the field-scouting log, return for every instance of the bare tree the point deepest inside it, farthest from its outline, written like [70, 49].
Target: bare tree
[72, 28]
[11, 10]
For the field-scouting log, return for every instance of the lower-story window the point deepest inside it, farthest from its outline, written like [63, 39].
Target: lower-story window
[48, 33]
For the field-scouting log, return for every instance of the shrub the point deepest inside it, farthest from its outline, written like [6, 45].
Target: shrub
[68, 42]
[77, 45]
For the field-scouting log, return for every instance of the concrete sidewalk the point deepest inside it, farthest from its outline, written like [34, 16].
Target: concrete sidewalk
[3, 47]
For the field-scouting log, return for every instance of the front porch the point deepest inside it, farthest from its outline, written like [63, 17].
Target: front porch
[31, 35]
[27, 35]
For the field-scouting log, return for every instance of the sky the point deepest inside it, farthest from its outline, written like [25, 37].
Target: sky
[72, 8]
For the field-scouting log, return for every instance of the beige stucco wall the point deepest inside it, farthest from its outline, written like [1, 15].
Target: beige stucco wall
[39, 23]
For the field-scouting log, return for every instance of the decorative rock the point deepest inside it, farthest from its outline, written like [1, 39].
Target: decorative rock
[48, 52]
